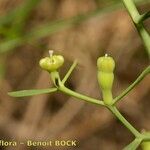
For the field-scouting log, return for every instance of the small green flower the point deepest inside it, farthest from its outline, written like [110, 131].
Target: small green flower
[51, 63]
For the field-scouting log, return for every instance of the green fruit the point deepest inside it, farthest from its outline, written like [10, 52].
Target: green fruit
[105, 76]
[51, 63]
[145, 145]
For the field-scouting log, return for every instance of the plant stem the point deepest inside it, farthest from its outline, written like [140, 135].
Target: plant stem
[115, 111]
[80, 96]
[145, 16]
[134, 144]
[141, 76]
[60, 86]
[69, 71]
[136, 17]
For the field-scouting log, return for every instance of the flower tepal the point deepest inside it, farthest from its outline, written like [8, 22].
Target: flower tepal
[51, 63]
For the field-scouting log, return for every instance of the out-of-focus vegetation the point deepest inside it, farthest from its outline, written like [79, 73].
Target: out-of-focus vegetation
[76, 29]
[13, 24]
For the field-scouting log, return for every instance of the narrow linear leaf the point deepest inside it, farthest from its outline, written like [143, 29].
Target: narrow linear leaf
[24, 93]
[133, 145]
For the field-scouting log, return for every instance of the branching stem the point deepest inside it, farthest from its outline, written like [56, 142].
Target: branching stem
[125, 92]
[80, 96]
[138, 21]
[59, 84]
[115, 111]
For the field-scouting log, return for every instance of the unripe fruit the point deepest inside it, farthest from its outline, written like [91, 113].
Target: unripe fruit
[105, 76]
[106, 64]
[51, 63]
[145, 145]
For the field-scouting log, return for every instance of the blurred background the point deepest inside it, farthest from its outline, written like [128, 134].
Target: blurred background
[76, 29]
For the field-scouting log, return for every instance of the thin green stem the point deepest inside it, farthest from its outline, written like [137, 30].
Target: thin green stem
[144, 16]
[136, 17]
[60, 86]
[146, 138]
[80, 96]
[133, 12]
[115, 111]
[69, 71]
[125, 92]
[145, 37]
[55, 78]
[134, 144]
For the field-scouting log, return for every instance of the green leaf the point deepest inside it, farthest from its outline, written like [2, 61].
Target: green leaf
[133, 145]
[24, 93]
